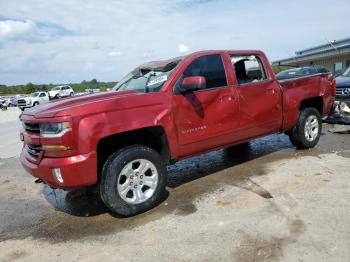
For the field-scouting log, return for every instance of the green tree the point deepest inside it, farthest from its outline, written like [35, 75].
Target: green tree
[93, 83]
[29, 88]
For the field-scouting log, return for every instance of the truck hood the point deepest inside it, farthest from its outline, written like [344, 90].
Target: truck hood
[25, 97]
[342, 81]
[78, 105]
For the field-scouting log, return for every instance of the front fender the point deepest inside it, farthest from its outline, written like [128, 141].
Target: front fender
[93, 128]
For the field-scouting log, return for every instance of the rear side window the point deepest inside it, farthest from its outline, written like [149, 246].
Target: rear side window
[42, 95]
[249, 69]
[211, 68]
[323, 70]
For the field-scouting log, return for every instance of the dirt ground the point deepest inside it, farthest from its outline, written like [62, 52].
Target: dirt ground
[264, 201]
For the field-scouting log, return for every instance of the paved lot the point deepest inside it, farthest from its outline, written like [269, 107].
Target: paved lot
[262, 202]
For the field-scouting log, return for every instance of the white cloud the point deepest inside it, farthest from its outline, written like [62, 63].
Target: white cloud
[30, 31]
[89, 66]
[82, 39]
[183, 48]
[114, 53]
[13, 28]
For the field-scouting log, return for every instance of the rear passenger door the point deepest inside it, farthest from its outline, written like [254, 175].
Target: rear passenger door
[260, 97]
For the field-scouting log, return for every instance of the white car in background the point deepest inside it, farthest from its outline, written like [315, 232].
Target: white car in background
[61, 91]
[33, 99]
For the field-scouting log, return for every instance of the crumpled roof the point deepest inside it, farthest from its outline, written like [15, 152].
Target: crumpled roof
[160, 65]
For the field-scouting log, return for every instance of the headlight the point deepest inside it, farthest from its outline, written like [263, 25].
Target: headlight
[55, 129]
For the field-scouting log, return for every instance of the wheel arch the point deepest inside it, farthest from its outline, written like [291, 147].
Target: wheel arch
[154, 137]
[314, 102]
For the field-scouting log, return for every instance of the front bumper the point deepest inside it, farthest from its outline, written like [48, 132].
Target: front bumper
[77, 171]
[345, 99]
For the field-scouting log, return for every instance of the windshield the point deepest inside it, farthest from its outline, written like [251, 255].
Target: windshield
[147, 78]
[347, 72]
[34, 94]
[56, 88]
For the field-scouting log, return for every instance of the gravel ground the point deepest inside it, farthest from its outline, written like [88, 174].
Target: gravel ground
[9, 136]
[264, 201]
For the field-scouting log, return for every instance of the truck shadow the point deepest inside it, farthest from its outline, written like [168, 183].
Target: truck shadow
[86, 202]
[79, 202]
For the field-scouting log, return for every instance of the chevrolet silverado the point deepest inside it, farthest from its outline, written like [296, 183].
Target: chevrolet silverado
[163, 111]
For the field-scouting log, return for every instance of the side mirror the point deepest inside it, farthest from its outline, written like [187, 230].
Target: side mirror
[192, 83]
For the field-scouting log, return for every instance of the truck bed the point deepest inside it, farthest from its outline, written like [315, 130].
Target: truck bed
[302, 77]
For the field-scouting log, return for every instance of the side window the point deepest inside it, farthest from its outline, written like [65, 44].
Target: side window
[249, 69]
[324, 70]
[211, 68]
[42, 95]
[338, 68]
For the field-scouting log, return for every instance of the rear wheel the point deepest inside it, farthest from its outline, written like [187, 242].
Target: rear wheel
[133, 180]
[307, 131]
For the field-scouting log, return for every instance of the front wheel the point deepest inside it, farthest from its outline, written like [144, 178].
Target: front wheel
[133, 180]
[308, 129]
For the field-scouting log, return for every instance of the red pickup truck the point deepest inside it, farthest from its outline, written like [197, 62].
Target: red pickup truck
[164, 111]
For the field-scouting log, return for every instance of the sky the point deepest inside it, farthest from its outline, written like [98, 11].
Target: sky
[60, 41]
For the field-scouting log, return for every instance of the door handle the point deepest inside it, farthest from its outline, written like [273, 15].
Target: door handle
[271, 90]
[227, 97]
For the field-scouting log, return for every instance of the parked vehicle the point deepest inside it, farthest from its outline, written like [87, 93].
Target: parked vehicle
[14, 99]
[340, 114]
[162, 112]
[61, 91]
[301, 71]
[33, 99]
[3, 104]
[343, 86]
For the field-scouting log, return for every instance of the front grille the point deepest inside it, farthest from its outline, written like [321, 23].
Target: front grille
[21, 102]
[343, 91]
[29, 127]
[34, 150]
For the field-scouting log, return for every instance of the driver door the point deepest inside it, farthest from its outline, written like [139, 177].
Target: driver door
[206, 118]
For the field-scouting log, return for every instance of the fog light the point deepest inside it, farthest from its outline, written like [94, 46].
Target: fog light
[57, 174]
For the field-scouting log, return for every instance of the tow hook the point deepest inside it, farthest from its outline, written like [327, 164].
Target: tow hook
[38, 181]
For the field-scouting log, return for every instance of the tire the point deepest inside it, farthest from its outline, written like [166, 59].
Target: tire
[71, 94]
[36, 103]
[121, 169]
[307, 131]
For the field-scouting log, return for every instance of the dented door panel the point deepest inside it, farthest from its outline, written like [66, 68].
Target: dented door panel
[206, 114]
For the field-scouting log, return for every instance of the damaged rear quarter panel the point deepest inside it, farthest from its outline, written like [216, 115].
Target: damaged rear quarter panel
[297, 90]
